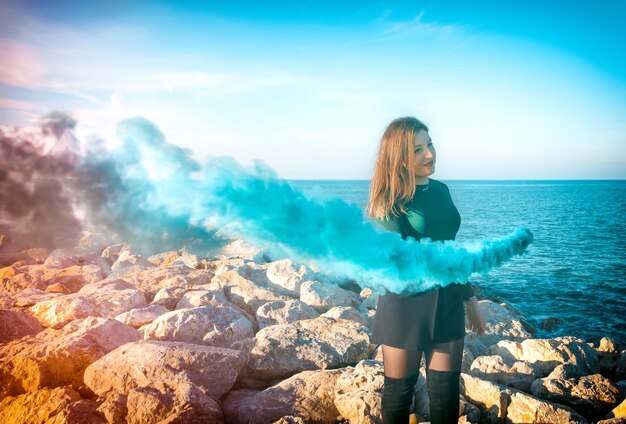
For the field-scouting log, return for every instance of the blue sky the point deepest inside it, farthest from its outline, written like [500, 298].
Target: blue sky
[510, 90]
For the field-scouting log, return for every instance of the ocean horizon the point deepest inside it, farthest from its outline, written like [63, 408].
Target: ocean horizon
[573, 275]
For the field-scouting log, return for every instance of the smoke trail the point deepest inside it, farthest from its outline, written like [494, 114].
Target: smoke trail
[35, 205]
[155, 195]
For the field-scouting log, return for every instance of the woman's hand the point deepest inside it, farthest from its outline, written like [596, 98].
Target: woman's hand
[474, 316]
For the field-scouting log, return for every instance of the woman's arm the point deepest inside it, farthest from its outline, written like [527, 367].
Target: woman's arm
[474, 316]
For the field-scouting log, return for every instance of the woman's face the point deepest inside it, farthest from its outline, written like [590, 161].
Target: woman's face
[425, 154]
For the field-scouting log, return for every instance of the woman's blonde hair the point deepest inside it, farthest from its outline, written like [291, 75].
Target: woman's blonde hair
[393, 181]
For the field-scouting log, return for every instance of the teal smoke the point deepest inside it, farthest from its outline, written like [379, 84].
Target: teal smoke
[156, 192]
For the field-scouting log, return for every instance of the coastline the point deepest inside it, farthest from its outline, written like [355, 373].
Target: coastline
[99, 333]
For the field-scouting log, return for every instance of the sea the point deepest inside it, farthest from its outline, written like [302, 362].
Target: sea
[573, 276]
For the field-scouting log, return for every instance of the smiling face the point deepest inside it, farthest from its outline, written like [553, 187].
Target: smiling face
[425, 156]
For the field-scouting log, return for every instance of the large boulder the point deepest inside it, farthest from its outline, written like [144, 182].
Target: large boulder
[127, 259]
[141, 316]
[75, 277]
[284, 312]
[592, 395]
[358, 392]
[105, 304]
[323, 296]
[308, 395]
[211, 294]
[187, 403]
[244, 293]
[28, 297]
[501, 323]
[549, 353]
[151, 280]
[110, 283]
[47, 405]
[169, 296]
[57, 357]
[499, 403]
[81, 256]
[282, 350]
[18, 278]
[285, 277]
[163, 366]
[173, 258]
[17, 324]
[517, 374]
[346, 312]
[213, 325]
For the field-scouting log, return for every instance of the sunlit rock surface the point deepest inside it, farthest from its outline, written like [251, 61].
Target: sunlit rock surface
[102, 334]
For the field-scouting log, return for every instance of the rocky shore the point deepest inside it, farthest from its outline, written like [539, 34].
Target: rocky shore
[101, 334]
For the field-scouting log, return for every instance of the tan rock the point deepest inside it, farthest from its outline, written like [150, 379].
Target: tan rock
[184, 404]
[127, 259]
[105, 304]
[281, 350]
[358, 392]
[68, 257]
[57, 357]
[165, 259]
[17, 324]
[40, 406]
[208, 294]
[290, 419]
[323, 296]
[501, 323]
[257, 273]
[82, 411]
[346, 312]
[106, 284]
[284, 312]
[223, 264]
[169, 296]
[589, 394]
[608, 345]
[114, 409]
[619, 411]
[244, 293]
[498, 403]
[58, 288]
[163, 366]
[308, 395]
[517, 374]
[7, 300]
[141, 316]
[28, 297]
[613, 421]
[75, 277]
[111, 253]
[491, 398]
[213, 325]
[22, 280]
[528, 409]
[548, 353]
[369, 298]
[285, 277]
[151, 280]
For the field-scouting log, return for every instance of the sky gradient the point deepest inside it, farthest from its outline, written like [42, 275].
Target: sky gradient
[509, 90]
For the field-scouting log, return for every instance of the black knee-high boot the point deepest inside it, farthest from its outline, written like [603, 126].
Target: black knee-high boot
[443, 393]
[397, 398]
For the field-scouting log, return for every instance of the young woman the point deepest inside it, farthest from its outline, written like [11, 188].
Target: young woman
[404, 199]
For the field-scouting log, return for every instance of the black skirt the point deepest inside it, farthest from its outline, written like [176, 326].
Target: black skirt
[418, 322]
